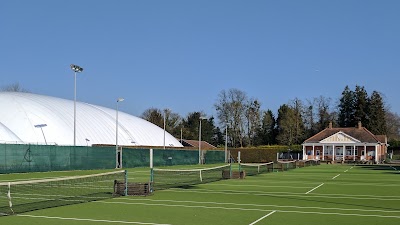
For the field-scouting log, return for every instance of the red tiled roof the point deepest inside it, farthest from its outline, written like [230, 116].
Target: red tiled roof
[195, 143]
[381, 138]
[362, 134]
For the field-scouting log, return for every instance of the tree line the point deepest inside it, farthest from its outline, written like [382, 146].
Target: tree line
[245, 124]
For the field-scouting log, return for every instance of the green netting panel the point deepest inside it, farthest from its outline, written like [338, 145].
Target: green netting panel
[214, 156]
[36, 158]
[141, 157]
[84, 158]
[175, 157]
[135, 158]
[24, 158]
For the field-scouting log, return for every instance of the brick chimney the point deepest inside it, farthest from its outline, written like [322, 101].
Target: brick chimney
[330, 125]
[359, 125]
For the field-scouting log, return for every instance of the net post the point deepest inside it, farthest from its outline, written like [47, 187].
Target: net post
[151, 171]
[126, 183]
[239, 161]
[230, 171]
[9, 197]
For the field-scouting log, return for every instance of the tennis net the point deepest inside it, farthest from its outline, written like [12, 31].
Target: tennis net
[286, 165]
[24, 196]
[305, 163]
[252, 169]
[170, 178]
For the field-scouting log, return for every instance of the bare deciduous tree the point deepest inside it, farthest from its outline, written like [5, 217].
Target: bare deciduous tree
[13, 88]
[393, 126]
[231, 109]
[253, 117]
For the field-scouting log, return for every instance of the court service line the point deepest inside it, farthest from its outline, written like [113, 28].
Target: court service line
[314, 188]
[262, 218]
[337, 176]
[348, 169]
[259, 210]
[289, 194]
[250, 185]
[366, 184]
[256, 205]
[90, 220]
[340, 214]
[382, 182]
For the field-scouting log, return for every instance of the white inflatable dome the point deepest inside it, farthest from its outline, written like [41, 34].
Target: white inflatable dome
[21, 113]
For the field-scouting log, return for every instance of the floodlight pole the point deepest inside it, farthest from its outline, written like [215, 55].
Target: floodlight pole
[87, 140]
[165, 112]
[200, 118]
[74, 108]
[41, 128]
[117, 162]
[226, 143]
[76, 69]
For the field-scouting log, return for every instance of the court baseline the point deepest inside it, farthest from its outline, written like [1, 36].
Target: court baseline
[260, 210]
[90, 220]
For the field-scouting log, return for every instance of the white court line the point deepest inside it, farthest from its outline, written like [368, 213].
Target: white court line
[314, 188]
[250, 185]
[262, 218]
[256, 205]
[341, 214]
[289, 194]
[382, 182]
[91, 220]
[259, 210]
[346, 171]
[336, 176]
[366, 184]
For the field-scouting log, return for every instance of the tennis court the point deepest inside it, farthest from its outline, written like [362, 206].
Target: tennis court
[324, 194]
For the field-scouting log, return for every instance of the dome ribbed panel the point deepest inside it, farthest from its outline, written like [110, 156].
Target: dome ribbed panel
[22, 111]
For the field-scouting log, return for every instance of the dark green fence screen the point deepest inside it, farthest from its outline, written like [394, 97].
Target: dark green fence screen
[38, 158]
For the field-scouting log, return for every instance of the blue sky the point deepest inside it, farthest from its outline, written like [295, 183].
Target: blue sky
[181, 54]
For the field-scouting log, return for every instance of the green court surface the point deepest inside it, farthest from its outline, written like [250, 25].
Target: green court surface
[324, 194]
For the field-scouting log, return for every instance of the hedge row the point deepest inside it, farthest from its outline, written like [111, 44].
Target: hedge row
[260, 154]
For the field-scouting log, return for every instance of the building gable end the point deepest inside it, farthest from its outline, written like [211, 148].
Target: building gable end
[340, 137]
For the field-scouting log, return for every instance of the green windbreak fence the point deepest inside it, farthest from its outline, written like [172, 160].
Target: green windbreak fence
[161, 157]
[38, 158]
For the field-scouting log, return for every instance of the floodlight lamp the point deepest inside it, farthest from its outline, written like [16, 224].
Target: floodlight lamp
[76, 68]
[40, 125]
[120, 99]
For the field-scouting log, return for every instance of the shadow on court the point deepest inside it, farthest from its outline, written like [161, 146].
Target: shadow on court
[321, 203]
[390, 169]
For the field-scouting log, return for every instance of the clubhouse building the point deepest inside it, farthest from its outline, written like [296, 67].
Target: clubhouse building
[346, 144]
